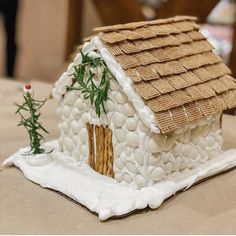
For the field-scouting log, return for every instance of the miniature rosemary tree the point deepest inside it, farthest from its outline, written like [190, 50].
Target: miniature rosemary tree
[31, 123]
[84, 80]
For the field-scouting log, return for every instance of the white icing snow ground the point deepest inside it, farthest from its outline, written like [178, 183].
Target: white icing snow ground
[102, 194]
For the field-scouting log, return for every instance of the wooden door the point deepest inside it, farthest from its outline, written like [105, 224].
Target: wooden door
[101, 156]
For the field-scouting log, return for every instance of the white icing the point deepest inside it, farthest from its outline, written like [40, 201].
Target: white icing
[95, 189]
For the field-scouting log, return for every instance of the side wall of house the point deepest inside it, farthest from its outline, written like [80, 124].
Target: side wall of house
[184, 149]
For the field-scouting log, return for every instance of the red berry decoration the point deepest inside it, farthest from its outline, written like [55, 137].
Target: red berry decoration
[28, 86]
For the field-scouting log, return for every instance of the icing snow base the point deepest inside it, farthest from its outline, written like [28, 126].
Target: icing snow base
[102, 194]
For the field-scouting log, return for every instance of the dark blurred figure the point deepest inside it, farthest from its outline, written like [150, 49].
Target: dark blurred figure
[8, 9]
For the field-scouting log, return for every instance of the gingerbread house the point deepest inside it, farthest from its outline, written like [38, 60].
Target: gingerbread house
[143, 101]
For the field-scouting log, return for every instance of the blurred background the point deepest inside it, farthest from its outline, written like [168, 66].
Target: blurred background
[38, 37]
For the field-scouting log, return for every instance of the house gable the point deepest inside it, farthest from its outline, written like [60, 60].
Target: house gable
[173, 69]
[166, 68]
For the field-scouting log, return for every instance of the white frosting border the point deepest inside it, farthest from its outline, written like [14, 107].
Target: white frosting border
[102, 194]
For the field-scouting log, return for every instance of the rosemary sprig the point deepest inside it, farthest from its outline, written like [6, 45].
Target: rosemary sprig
[31, 123]
[84, 80]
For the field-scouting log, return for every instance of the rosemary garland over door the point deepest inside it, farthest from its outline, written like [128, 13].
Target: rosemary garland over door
[84, 80]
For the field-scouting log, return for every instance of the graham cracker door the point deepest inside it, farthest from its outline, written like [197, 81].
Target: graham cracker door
[101, 156]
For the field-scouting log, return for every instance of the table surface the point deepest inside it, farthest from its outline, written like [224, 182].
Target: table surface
[26, 208]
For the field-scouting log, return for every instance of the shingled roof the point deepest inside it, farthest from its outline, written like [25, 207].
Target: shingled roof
[173, 69]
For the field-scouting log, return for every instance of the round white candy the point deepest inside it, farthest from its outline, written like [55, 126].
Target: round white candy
[79, 104]
[202, 143]
[187, 150]
[114, 85]
[153, 160]
[75, 113]
[66, 111]
[125, 129]
[132, 139]
[186, 136]
[74, 126]
[110, 106]
[194, 154]
[86, 117]
[131, 124]
[187, 162]
[118, 177]
[209, 117]
[84, 150]
[215, 126]
[118, 149]
[166, 156]
[123, 156]
[129, 151]
[196, 134]
[70, 97]
[157, 174]
[183, 165]
[70, 134]
[118, 119]
[192, 125]
[131, 167]
[128, 109]
[142, 127]
[204, 156]
[104, 120]
[65, 127]
[202, 122]
[210, 141]
[179, 131]
[119, 163]
[127, 178]
[83, 135]
[120, 97]
[69, 145]
[156, 143]
[93, 113]
[120, 135]
[75, 139]
[205, 130]
[178, 162]
[219, 139]
[168, 167]
[178, 149]
[140, 180]
[170, 141]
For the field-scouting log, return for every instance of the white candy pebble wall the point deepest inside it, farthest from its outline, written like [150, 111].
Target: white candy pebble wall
[141, 158]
